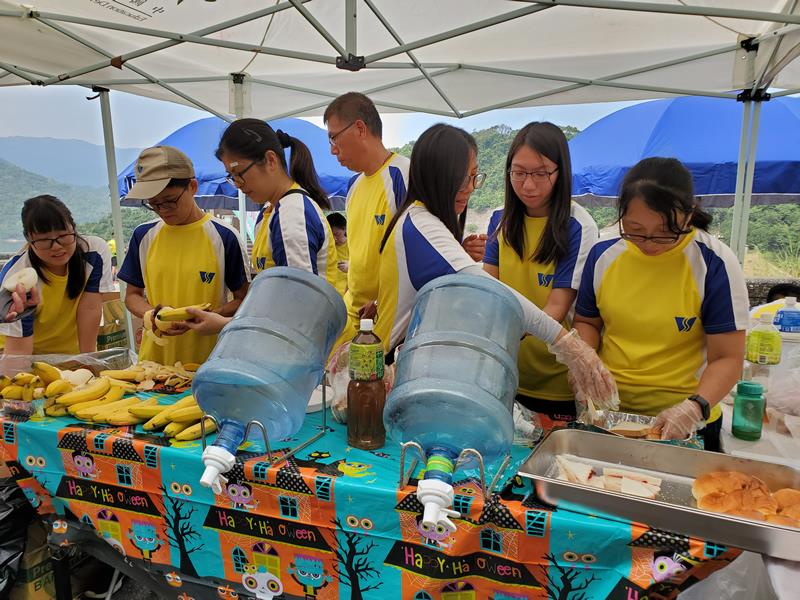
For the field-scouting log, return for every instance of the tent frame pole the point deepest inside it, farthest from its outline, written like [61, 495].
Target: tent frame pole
[350, 27]
[116, 211]
[745, 175]
[238, 106]
[319, 27]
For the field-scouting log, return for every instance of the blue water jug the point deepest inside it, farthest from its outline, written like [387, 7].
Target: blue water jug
[456, 380]
[268, 360]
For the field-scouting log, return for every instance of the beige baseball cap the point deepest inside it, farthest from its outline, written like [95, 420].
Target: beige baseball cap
[155, 168]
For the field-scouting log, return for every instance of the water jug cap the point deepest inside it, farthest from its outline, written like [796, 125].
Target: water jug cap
[766, 317]
[217, 461]
[750, 388]
[436, 497]
[367, 324]
[790, 301]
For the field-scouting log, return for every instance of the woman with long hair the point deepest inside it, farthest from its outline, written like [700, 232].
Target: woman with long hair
[422, 243]
[73, 272]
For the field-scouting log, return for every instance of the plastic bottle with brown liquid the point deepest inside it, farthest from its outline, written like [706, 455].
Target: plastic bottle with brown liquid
[366, 393]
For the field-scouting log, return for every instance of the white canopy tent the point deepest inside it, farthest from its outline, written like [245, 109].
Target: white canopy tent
[447, 57]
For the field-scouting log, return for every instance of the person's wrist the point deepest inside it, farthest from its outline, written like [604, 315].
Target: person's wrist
[703, 408]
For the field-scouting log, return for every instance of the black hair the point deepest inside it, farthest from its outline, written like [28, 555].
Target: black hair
[549, 141]
[45, 214]
[253, 138]
[439, 165]
[337, 220]
[665, 185]
[352, 107]
[783, 290]
[178, 183]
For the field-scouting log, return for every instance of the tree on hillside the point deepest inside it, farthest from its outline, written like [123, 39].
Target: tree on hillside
[131, 218]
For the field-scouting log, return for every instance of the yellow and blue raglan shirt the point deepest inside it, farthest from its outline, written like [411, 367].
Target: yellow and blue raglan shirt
[372, 201]
[421, 249]
[540, 375]
[180, 265]
[53, 325]
[295, 233]
[657, 311]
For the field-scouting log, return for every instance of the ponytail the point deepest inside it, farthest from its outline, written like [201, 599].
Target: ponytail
[301, 169]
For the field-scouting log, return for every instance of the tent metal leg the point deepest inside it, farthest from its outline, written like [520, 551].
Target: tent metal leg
[744, 213]
[116, 211]
[239, 110]
[738, 197]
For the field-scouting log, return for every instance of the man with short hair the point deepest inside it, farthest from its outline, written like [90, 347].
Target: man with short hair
[374, 195]
[185, 257]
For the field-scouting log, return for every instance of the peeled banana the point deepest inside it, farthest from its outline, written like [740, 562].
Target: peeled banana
[179, 314]
[27, 277]
[97, 388]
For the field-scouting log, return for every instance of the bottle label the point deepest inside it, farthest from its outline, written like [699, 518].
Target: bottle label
[764, 347]
[788, 321]
[366, 362]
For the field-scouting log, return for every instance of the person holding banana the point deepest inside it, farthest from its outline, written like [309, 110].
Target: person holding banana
[184, 258]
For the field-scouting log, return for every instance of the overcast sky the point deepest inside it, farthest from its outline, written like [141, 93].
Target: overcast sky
[64, 112]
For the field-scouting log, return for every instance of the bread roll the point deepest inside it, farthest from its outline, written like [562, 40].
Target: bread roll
[720, 502]
[787, 497]
[781, 520]
[719, 482]
[760, 501]
[793, 512]
[750, 514]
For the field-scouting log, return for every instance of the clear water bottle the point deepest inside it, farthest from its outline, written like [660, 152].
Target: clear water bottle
[455, 381]
[787, 318]
[267, 361]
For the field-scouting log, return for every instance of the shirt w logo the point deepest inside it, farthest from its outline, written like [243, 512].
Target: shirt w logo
[261, 262]
[685, 323]
[545, 280]
[206, 277]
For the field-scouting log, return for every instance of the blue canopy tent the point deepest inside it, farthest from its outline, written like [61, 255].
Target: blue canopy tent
[704, 134]
[200, 139]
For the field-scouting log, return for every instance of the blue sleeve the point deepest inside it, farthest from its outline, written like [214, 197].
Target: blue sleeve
[398, 188]
[491, 255]
[131, 270]
[718, 310]
[96, 276]
[235, 270]
[586, 304]
[565, 268]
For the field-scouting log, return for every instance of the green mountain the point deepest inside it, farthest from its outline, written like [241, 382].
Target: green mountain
[17, 185]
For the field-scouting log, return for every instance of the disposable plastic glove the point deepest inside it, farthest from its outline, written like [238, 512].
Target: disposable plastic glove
[678, 422]
[588, 375]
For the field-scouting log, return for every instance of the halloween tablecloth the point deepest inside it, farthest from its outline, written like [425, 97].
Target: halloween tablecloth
[327, 523]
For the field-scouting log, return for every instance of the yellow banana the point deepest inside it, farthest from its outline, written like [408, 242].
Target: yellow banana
[4, 381]
[48, 373]
[162, 418]
[123, 417]
[22, 378]
[57, 388]
[56, 410]
[179, 314]
[99, 414]
[124, 375]
[191, 367]
[99, 387]
[147, 412]
[12, 392]
[187, 414]
[27, 393]
[193, 432]
[128, 386]
[76, 408]
[175, 428]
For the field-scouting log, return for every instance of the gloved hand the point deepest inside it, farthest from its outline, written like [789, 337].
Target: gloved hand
[588, 375]
[678, 422]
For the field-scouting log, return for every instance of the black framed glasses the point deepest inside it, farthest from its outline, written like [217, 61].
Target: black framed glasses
[238, 178]
[656, 239]
[477, 181]
[164, 204]
[332, 137]
[64, 240]
[538, 176]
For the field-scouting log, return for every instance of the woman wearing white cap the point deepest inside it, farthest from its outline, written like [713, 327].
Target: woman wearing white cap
[185, 257]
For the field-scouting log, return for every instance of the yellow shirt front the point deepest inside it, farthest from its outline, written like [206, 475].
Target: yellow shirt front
[540, 375]
[343, 254]
[54, 324]
[657, 311]
[372, 201]
[183, 265]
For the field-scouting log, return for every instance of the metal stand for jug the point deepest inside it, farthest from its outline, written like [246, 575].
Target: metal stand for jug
[465, 455]
[263, 429]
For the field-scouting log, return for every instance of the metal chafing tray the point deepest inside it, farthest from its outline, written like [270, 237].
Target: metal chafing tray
[674, 509]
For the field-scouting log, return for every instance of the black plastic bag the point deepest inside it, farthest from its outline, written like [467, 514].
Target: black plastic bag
[16, 514]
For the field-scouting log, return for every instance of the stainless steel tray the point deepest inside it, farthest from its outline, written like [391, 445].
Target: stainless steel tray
[674, 509]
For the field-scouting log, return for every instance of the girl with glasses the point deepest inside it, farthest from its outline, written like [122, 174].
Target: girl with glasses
[422, 243]
[666, 303]
[73, 270]
[291, 229]
[538, 243]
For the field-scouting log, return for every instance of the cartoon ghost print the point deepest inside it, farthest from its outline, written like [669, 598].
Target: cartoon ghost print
[263, 584]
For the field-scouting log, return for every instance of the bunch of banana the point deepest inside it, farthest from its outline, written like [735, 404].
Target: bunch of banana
[23, 386]
[180, 420]
[145, 375]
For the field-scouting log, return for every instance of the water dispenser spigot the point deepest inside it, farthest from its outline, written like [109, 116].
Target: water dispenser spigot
[217, 461]
[436, 497]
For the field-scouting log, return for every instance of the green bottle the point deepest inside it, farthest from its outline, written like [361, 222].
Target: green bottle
[764, 342]
[748, 411]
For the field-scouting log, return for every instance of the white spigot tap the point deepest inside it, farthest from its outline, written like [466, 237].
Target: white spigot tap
[436, 497]
[217, 461]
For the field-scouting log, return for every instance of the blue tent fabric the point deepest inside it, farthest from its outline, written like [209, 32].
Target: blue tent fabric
[703, 133]
[200, 139]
